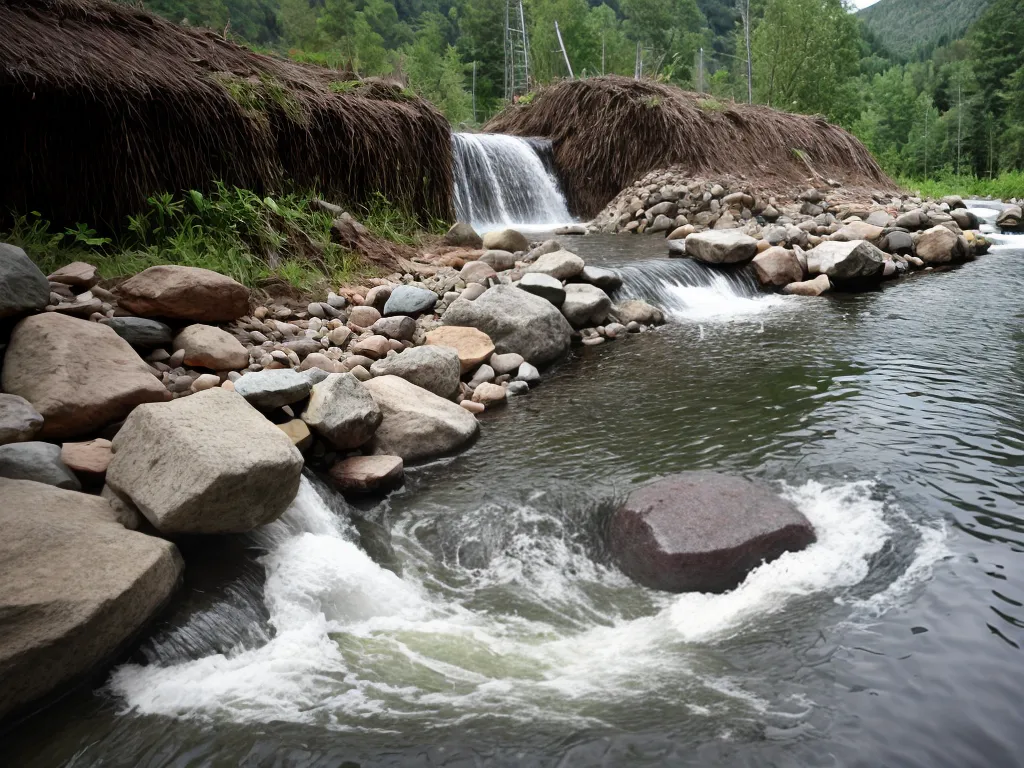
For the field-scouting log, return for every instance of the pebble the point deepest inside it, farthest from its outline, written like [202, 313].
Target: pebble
[489, 394]
[473, 407]
[515, 388]
[361, 373]
[206, 381]
[176, 359]
[91, 458]
[505, 363]
[483, 374]
[528, 373]
[633, 326]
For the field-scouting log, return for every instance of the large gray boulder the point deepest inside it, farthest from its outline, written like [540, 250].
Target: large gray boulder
[727, 246]
[342, 411]
[463, 235]
[561, 265]
[410, 300]
[605, 279]
[435, 368]
[79, 376]
[184, 293]
[939, 245]
[77, 587]
[505, 240]
[1011, 219]
[417, 424]
[703, 532]
[545, 286]
[39, 462]
[19, 421]
[209, 463]
[23, 288]
[965, 219]
[516, 321]
[585, 305]
[852, 262]
[859, 230]
[274, 388]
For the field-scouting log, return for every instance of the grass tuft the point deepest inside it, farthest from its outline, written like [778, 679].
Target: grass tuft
[1003, 187]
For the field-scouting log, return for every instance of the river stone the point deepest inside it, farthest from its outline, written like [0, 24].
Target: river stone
[585, 305]
[499, 261]
[77, 274]
[463, 235]
[859, 230]
[721, 247]
[374, 347]
[140, 332]
[482, 374]
[435, 368]
[80, 376]
[91, 458]
[417, 424]
[184, 293]
[605, 279]
[561, 265]
[916, 219]
[677, 248]
[855, 261]
[410, 300]
[545, 286]
[364, 316]
[125, 513]
[473, 346]
[939, 245]
[477, 272]
[815, 287]
[398, 327]
[505, 240]
[39, 462]
[209, 463]
[77, 587]
[528, 373]
[777, 267]
[274, 388]
[298, 432]
[19, 421]
[516, 321]
[506, 363]
[367, 474]
[342, 412]
[878, 219]
[637, 311]
[964, 218]
[23, 288]
[1010, 219]
[898, 242]
[207, 346]
[489, 394]
[703, 532]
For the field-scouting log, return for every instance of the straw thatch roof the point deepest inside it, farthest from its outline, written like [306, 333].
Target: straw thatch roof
[105, 104]
[607, 132]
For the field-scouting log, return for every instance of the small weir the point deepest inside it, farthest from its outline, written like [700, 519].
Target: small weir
[506, 181]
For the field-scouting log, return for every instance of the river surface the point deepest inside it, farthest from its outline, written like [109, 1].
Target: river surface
[490, 628]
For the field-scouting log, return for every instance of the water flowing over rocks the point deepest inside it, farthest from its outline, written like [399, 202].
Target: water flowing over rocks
[703, 532]
[79, 375]
[184, 293]
[208, 463]
[417, 424]
[516, 321]
[342, 411]
[23, 288]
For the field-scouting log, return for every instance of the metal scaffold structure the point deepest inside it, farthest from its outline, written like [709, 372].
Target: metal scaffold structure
[517, 51]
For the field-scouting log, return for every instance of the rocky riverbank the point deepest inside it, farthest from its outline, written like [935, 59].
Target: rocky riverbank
[803, 243]
[174, 405]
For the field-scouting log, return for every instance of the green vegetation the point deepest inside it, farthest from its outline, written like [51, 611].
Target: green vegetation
[232, 231]
[1003, 187]
[905, 25]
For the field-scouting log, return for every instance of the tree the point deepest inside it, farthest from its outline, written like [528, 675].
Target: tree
[670, 29]
[436, 71]
[581, 44]
[803, 51]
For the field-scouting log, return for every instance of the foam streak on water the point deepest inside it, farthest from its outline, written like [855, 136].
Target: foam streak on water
[354, 645]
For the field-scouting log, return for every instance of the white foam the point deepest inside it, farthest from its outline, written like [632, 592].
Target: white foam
[719, 301]
[1004, 241]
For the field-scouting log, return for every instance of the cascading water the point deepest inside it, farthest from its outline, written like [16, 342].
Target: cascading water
[504, 181]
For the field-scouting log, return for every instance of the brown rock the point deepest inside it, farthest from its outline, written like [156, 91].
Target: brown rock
[364, 317]
[474, 346]
[365, 474]
[489, 394]
[703, 532]
[815, 287]
[184, 293]
[91, 458]
[77, 273]
[298, 432]
[207, 346]
[374, 347]
[79, 376]
[472, 407]
[778, 266]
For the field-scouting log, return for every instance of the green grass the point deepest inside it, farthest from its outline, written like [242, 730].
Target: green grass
[232, 231]
[711, 105]
[1003, 187]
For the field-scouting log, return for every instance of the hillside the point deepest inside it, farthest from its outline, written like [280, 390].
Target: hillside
[901, 25]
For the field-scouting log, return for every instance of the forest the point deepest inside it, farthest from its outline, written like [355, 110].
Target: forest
[933, 95]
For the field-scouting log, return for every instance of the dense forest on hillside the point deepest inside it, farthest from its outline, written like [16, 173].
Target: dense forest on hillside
[928, 98]
[903, 25]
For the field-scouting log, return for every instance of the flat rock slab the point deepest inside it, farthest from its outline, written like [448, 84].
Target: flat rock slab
[473, 346]
[703, 532]
[274, 388]
[209, 463]
[76, 587]
[367, 474]
[545, 286]
[184, 293]
[80, 376]
[90, 458]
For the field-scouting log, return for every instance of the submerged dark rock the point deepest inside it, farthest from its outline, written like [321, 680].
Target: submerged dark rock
[703, 532]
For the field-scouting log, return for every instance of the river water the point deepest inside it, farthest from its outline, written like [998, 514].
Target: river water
[490, 628]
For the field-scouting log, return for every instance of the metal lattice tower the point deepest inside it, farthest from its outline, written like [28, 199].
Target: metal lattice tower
[517, 51]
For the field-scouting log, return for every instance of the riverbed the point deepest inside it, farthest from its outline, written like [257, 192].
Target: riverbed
[491, 628]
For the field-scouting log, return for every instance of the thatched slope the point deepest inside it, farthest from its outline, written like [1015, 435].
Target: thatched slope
[106, 104]
[607, 132]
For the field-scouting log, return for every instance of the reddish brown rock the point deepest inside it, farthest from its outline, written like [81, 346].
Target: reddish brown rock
[367, 474]
[184, 293]
[703, 532]
[91, 458]
[77, 274]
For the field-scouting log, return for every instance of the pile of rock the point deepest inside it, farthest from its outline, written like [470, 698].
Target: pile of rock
[848, 245]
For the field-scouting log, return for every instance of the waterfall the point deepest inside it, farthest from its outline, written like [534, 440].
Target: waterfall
[506, 181]
[687, 289]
